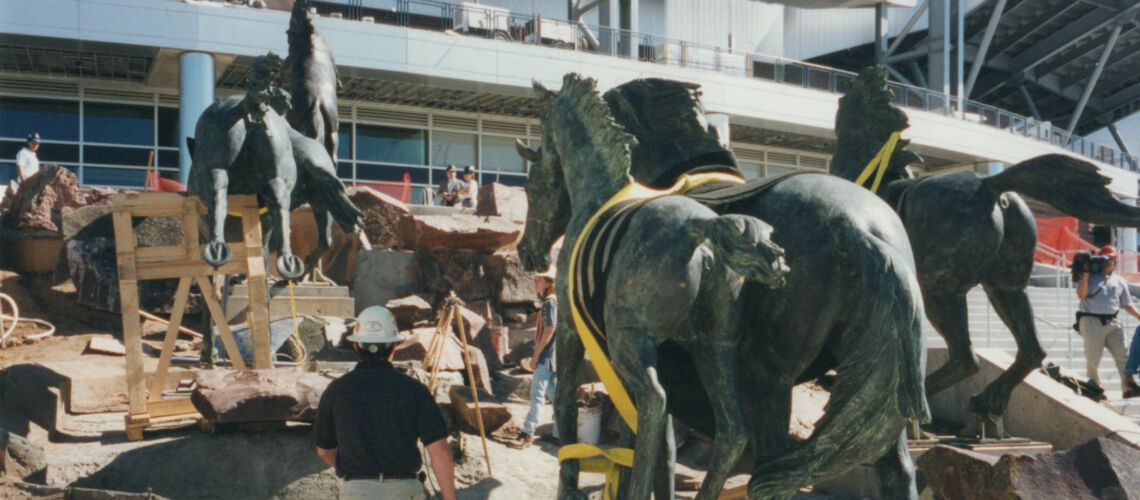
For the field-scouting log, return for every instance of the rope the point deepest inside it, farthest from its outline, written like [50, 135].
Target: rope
[15, 319]
[878, 164]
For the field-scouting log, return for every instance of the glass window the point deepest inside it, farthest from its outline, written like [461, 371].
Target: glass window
[54, 120]
[344, 170]
[391, 145]
[751, 169]
[118, 124]
[452, 147]
[168, 158]
[344, 142]
[510, 180]
[113, 176]
[109, 155]
[168, 127]
[390, 173]
[774, 171]
[499, 155]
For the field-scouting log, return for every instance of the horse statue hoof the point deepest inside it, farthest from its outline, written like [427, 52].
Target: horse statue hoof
[216, 253]
[290, 267]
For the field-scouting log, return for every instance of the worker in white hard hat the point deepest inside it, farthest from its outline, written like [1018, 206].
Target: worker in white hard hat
[369, 420]
[545, 380]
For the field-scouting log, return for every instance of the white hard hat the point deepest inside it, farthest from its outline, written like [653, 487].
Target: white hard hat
[375, 325]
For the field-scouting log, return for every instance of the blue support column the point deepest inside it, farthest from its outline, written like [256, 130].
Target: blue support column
[195, 94]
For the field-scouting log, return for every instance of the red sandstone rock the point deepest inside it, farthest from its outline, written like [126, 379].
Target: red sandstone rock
[382, 216]
[410, 311]
[495, 415]
[505, 201]
[460, 232]
[42, 199]
[258, 395]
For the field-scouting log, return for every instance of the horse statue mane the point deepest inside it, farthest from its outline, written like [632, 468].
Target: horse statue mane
[670, 120]
[579, 98]
[868, 102]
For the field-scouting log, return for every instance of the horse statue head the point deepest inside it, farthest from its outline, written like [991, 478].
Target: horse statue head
[571, 116]
[262, 92]
[864, 123]
[674, 137]
[300, 24]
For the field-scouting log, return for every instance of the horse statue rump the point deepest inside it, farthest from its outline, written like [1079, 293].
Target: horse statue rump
[243, 145]
[669, 269]
[850, 302]
[968, 230]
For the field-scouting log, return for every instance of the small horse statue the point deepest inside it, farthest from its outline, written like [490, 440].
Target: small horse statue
[243, 145]
[654, 269]
[968, 230]
[312, 81]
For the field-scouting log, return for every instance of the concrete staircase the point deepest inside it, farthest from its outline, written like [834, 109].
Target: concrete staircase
[1053, 309]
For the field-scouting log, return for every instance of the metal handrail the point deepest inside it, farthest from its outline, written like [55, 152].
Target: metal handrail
[498, 23]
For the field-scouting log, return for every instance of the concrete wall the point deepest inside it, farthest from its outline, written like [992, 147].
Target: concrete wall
[1040, 409]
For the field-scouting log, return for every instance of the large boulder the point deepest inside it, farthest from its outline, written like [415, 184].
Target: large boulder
[44, 197]
[19, 458]
[383, 275]
[258, 395]
[339, 261]
[505, 201]
[94, 270]
[512, 283]
[444, 270]
[494, 415]
[415, 348]
[410, 311]
[1101, 468]
[382, 216]
[460, 232]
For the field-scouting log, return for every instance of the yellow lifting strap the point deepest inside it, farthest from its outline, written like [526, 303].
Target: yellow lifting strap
[878, 164]
[615, 457]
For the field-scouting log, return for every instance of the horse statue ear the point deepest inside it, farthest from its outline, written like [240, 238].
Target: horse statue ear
[544, 94]
[528, 153]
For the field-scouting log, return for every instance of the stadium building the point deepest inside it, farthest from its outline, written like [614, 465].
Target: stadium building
[113, 85]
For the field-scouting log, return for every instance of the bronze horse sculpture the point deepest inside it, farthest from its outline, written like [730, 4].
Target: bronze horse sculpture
[244, 145]
[850, 302]
[312, 81]
[968, 230]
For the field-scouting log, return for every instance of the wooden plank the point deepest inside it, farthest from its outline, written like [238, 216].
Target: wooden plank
[129, 308]
[220, 321]
[159, 254]
[170, 407]
[148, 200]
[105, 345]
[159, 381]
[161, 270]
[258, 316]
[190, 228]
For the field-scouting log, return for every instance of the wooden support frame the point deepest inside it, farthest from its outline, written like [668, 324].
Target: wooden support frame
[185, 263]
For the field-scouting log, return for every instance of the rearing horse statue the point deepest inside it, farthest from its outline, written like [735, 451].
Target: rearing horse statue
[244, 145]
[851, 302]
[968, 230]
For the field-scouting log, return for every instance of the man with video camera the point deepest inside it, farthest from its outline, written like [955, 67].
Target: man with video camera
[1102, 295]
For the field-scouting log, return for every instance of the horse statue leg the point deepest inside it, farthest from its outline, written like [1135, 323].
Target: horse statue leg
[289, 266]
[947, 313]
[1013, 307]
[324, 221]
[635, 361]
[896, 472]
[216, 253]
[716, 366]
[570, 355]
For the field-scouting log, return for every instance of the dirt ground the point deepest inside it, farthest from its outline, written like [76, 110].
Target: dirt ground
[188, 463]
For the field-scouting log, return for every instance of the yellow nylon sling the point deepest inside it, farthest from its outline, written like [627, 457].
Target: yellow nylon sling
[878, 164]
[613, 458]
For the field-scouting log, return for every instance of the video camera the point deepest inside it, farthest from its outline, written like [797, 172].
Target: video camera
[1086, 262]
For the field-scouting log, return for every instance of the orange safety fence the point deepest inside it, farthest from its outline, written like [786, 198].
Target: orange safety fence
[157, 183]
[400, 190]
[1060, 234]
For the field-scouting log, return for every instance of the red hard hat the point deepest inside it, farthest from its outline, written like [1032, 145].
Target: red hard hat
[1108, 251]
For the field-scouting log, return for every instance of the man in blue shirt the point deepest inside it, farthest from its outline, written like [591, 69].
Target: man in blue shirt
[544, 382]
[1102, 296]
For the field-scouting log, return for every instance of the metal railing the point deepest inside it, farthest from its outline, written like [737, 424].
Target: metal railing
[483, 20]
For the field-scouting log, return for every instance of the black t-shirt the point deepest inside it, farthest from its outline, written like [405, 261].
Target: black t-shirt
[373, 416]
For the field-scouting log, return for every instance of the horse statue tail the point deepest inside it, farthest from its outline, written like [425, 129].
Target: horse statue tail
[744, 244]
[882, 348]
[330, 192]
[1073, 186]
